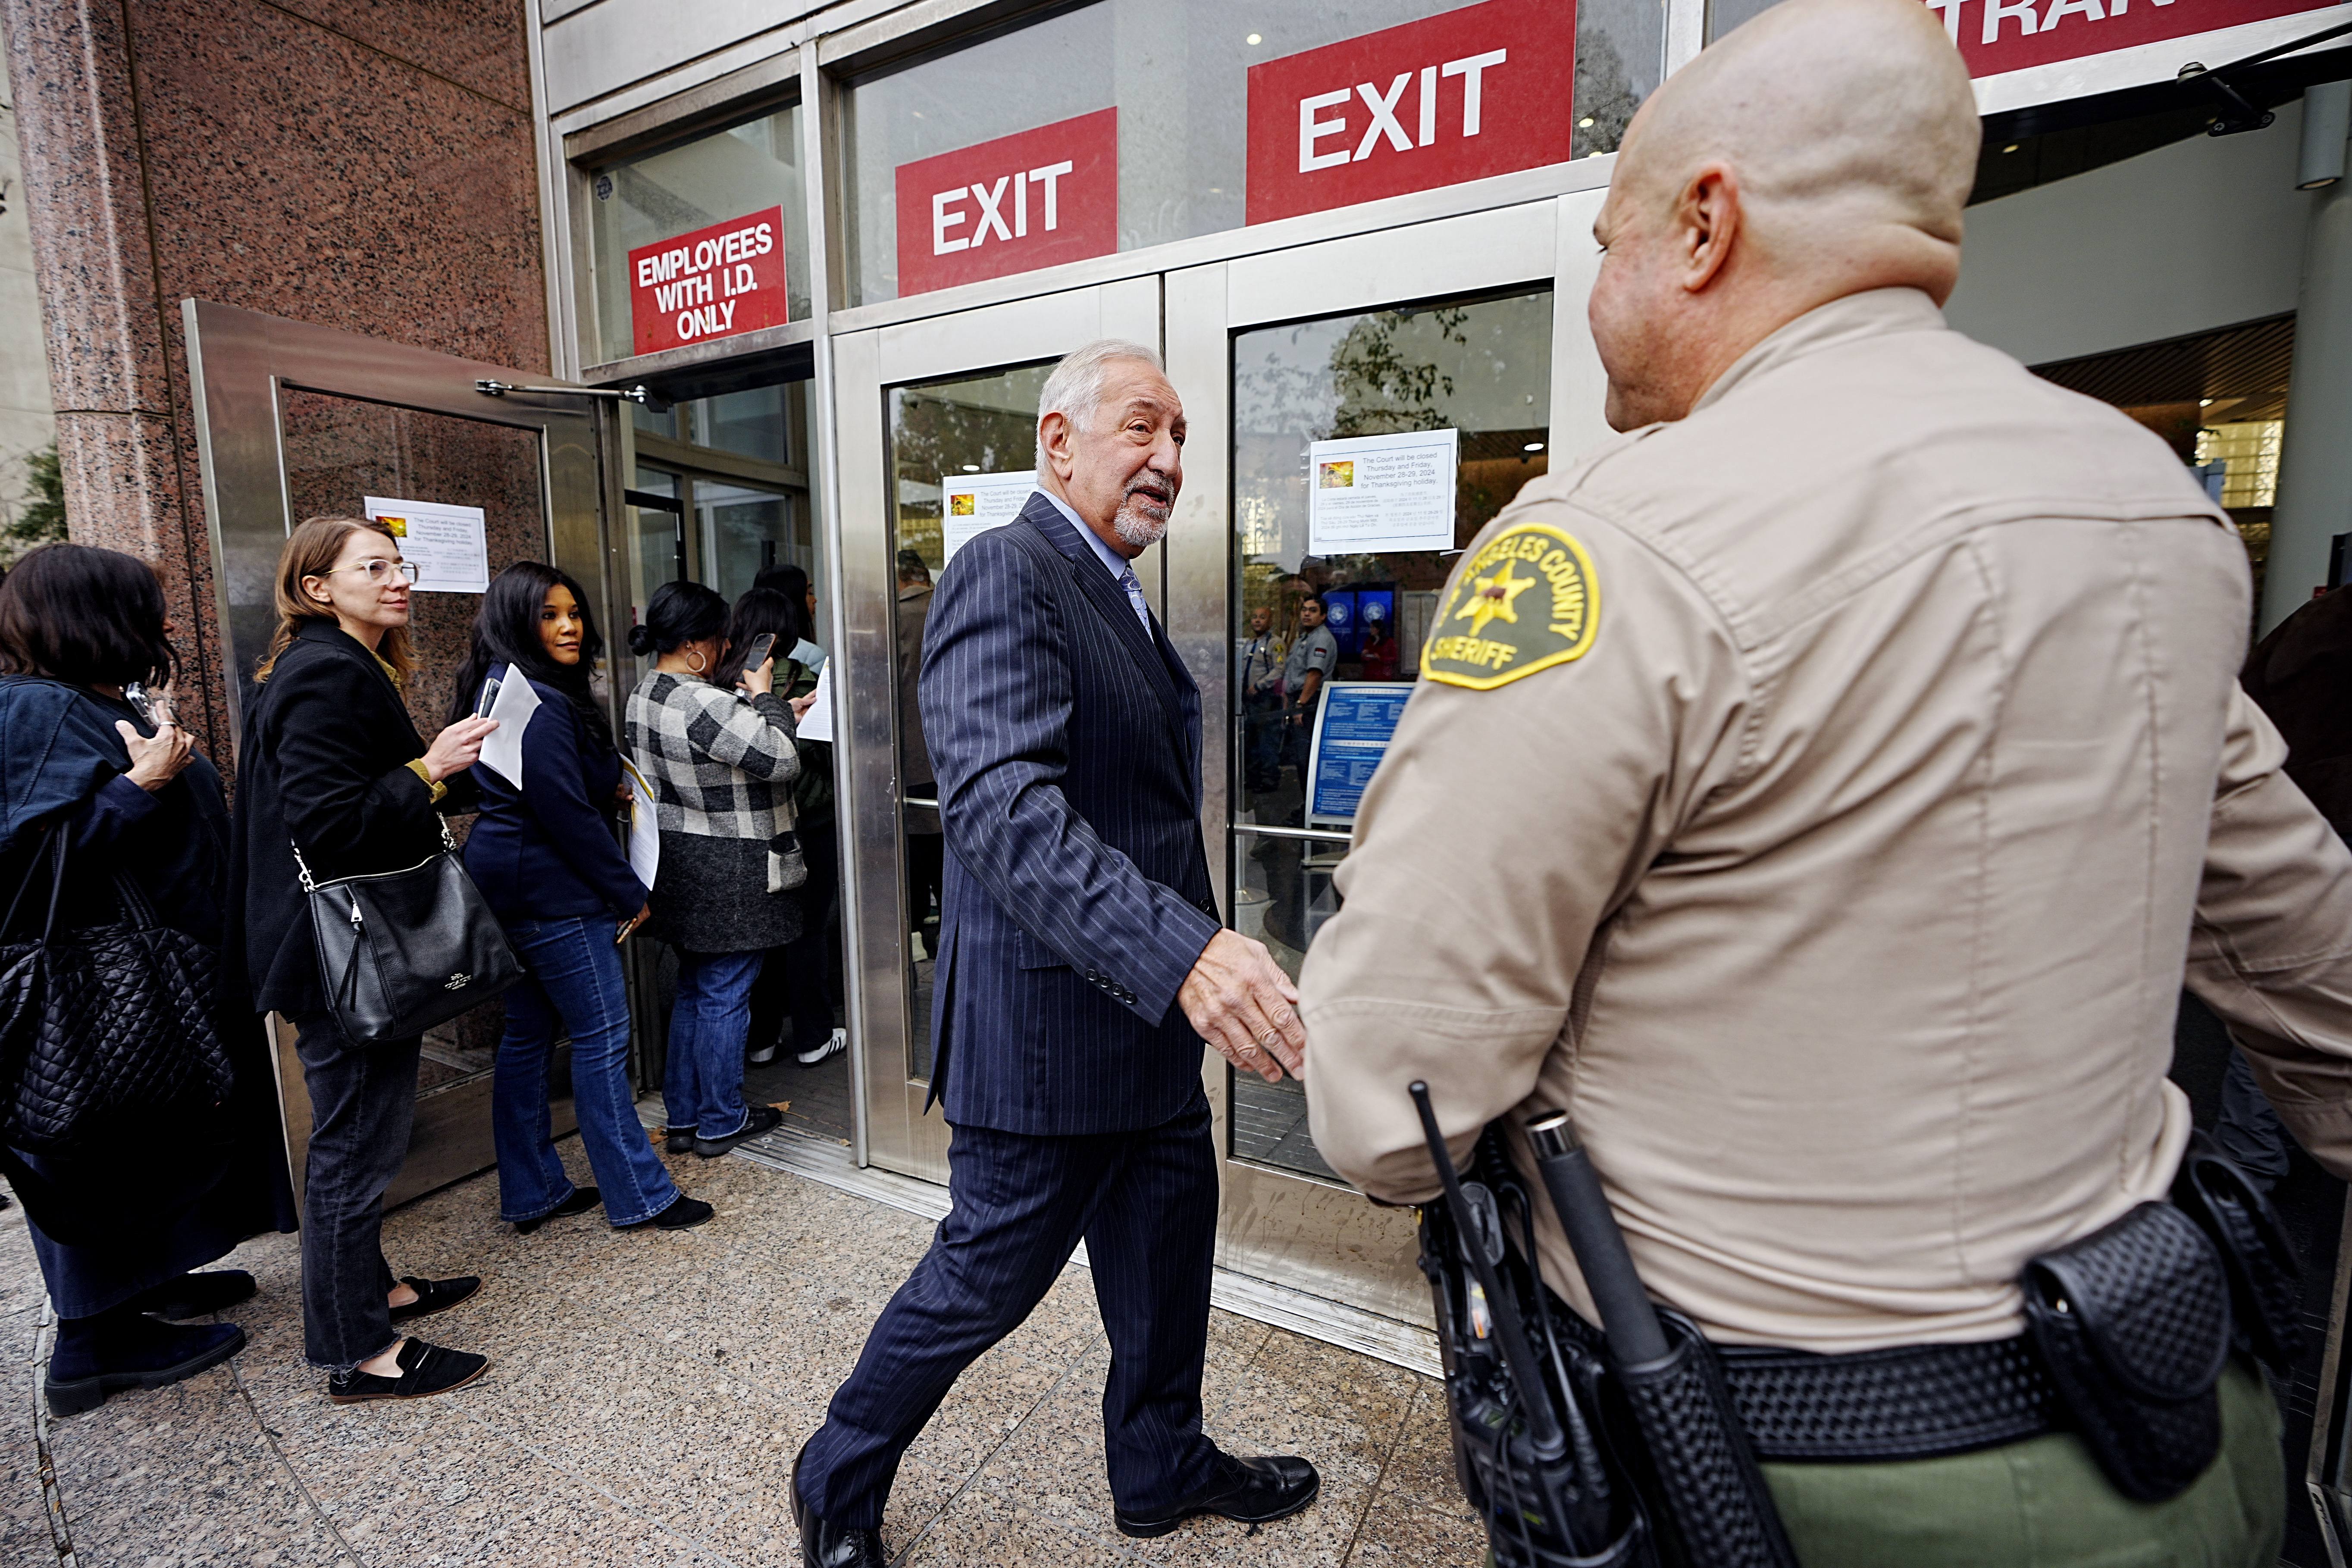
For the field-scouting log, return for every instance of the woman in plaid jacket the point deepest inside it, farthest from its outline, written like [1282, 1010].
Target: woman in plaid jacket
[720, 763]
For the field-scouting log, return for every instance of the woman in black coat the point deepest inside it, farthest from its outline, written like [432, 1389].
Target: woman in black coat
[117, 1231]
[332, 764]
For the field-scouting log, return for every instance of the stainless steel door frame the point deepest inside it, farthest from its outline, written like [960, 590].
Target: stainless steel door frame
[898, 1135]
[1292, 1230]
[241, 364]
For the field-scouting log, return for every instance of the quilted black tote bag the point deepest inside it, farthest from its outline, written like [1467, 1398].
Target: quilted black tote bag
[400, 952]
[106, 1033]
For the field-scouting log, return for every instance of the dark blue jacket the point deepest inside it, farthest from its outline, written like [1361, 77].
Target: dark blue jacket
[549, 851]
[1066, 740]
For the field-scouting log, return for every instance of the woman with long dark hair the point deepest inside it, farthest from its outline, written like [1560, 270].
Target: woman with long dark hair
[544, 856]
[332, 767]
[721, 762]
[796, 979]
[82, 756]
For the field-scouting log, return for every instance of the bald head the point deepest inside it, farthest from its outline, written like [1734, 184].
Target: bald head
[1824, 148]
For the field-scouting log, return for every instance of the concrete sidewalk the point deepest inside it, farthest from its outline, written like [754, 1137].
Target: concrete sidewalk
[646, 1396]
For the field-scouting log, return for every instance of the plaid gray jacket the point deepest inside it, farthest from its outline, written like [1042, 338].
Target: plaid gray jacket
[721, 764]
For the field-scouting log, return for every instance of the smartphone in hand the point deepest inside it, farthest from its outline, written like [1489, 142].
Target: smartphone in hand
[489, 695]
[757, 654]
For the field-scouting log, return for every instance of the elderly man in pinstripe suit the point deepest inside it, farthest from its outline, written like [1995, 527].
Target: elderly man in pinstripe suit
[1081, 965]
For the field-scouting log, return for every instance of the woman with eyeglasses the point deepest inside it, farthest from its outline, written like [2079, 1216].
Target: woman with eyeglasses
[332, 763]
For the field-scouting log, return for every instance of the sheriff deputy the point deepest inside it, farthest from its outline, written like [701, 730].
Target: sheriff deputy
[1815, 791]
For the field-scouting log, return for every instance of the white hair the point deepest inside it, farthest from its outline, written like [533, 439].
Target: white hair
[1075, 390]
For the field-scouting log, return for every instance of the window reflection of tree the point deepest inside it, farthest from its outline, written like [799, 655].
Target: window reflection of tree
[944, 431]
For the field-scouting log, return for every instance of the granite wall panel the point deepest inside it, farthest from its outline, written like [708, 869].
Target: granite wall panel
[366, 165]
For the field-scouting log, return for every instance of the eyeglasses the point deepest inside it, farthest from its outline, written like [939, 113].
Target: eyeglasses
[380, 571]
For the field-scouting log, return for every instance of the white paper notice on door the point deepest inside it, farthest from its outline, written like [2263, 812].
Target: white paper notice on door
[1381, 492]
[449, 543]
[974, 503]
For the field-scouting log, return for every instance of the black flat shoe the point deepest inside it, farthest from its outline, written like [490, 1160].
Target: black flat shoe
[679, 1140]
[435, 1295]
[157, 1360]
[195, 1295]
[1251, 1491]
[425, 1370]
[763, 1119]
[825, 1545]
[581, 1200]
[683, 1214]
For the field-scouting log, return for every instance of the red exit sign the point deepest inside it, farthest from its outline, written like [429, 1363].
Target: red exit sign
[712, 283]
[1478, 91]
[1021, 202]
[1998, 35]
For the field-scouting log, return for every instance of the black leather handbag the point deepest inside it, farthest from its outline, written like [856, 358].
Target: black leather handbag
[107, 1037]
[400, 952]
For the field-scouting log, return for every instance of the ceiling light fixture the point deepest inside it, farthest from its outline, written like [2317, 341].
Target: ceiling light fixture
[1253, 40]
[971, 468]
[1532, 447]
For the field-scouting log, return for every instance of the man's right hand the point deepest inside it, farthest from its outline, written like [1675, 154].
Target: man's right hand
[1240, 1001]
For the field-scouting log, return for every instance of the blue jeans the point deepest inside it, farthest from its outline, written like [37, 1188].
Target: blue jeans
[574, 988]
[702, 1087]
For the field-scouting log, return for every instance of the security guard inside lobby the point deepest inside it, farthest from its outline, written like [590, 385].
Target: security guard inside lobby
[1818, 792]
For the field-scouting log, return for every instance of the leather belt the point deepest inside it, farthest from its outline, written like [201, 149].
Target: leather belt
[1910, 1402]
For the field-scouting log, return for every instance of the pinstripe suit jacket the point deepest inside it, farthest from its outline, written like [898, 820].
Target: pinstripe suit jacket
[1065, 742]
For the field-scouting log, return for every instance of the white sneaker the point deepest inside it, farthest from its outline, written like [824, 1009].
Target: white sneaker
[764, 1055]
[834, 1046]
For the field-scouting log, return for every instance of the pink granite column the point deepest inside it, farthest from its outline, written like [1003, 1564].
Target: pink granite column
[119, 424]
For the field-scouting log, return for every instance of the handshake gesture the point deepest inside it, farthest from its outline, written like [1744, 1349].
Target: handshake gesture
[1240, 1002]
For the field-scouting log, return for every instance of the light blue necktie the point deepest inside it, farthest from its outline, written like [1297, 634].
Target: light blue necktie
[1135, 597]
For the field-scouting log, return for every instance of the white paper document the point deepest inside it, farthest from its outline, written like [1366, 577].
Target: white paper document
[512, 708]
[449, 543]
[816, 724]
[644, 832]
[1368, 493]
[974, 503]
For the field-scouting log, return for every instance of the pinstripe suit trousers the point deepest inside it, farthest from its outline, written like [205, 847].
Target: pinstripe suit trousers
[1146, 1204]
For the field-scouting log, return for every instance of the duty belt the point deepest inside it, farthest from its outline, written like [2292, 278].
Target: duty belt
[1910, 1402]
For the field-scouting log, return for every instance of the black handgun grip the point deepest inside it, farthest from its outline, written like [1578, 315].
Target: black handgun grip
[1626, 1315]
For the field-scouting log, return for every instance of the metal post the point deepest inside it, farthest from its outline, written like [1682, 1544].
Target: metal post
[817, 143]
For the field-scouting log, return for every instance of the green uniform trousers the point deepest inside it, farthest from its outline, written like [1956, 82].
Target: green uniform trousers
[2042, 1503]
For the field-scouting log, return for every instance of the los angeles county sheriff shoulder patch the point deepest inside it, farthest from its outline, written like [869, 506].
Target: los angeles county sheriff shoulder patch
[1526, 601]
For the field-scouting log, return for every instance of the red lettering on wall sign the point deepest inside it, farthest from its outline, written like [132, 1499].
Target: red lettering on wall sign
[1478, 91]
[1014, 204]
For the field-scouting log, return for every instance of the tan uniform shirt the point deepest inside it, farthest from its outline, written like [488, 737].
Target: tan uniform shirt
[1834, 862]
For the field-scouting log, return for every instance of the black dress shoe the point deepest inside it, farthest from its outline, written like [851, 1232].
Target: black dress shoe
[679, 1140]
[683, 1213]
[94, 1359]
[1252, 1491]
[425, 1370]
[195, 1295]
[825, 1545]
[581, 1200]
[435, 1295]
[758, 1120]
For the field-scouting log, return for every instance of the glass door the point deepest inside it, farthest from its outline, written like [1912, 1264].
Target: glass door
[1380, 399]
[938, 425]
[295, 420]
